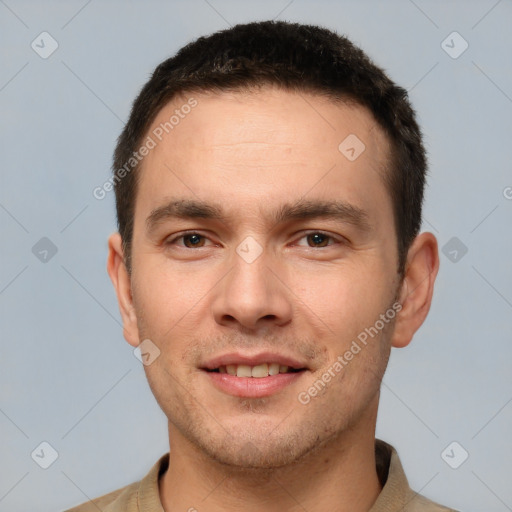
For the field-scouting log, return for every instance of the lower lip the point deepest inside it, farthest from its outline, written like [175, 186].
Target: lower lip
[252, 387]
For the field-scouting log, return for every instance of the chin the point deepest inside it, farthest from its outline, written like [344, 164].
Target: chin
[249, 458]
[252, 451]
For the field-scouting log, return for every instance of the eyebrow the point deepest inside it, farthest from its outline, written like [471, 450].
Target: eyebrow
[299, 210]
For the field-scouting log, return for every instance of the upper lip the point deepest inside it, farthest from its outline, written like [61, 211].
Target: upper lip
[237, 358]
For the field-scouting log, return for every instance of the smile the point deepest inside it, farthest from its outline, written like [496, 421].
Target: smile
[252, 382]
[259, 371]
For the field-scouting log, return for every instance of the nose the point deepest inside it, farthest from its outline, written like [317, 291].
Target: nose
[253, 294]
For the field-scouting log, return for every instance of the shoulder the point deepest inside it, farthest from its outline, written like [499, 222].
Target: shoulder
[109, 502]
[396, 493]
[419, 503]
[141, 495]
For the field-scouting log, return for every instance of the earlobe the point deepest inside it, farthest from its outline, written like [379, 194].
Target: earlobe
[120, 278]
[417, 288]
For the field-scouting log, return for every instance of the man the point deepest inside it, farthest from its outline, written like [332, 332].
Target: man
[269, 186]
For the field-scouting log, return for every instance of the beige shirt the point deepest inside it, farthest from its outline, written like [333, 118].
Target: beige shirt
[396, 495]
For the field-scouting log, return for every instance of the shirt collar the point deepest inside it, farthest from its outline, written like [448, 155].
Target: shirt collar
[395, 493]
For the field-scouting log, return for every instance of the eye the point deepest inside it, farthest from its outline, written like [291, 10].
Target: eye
[191, 240]
[194, 240]
[319, 239]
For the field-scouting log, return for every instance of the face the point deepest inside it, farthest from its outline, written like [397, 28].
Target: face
[260, 242]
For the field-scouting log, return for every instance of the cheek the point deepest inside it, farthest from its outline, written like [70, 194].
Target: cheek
[166, 295]
[344, 300]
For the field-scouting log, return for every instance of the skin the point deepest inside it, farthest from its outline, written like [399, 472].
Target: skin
[308, 297]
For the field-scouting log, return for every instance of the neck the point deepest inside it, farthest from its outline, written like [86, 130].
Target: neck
[340, 476]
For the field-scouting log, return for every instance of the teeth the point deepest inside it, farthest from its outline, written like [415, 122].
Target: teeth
[273, 368]
[243, 371]
[259, 371]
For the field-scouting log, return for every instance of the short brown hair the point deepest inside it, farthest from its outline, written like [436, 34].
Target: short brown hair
[295, 57]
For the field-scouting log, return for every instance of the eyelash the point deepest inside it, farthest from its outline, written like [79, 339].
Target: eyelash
[190, 233]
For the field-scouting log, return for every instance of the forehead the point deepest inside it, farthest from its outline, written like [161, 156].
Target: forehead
[266, 114]
[264, 146]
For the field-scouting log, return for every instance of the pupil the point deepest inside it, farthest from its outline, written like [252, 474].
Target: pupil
[318, 238]
[194, 239]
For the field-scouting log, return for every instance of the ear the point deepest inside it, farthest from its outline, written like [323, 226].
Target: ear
[120, 278]
[417, 288]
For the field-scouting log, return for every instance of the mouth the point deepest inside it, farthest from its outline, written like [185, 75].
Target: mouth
[259, 371]
[253, 377]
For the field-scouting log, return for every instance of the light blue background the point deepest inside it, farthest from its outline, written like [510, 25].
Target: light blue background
[67, 375]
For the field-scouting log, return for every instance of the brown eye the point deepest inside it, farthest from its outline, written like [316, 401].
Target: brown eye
[191, 240]
[194, 240]
[318, 239]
